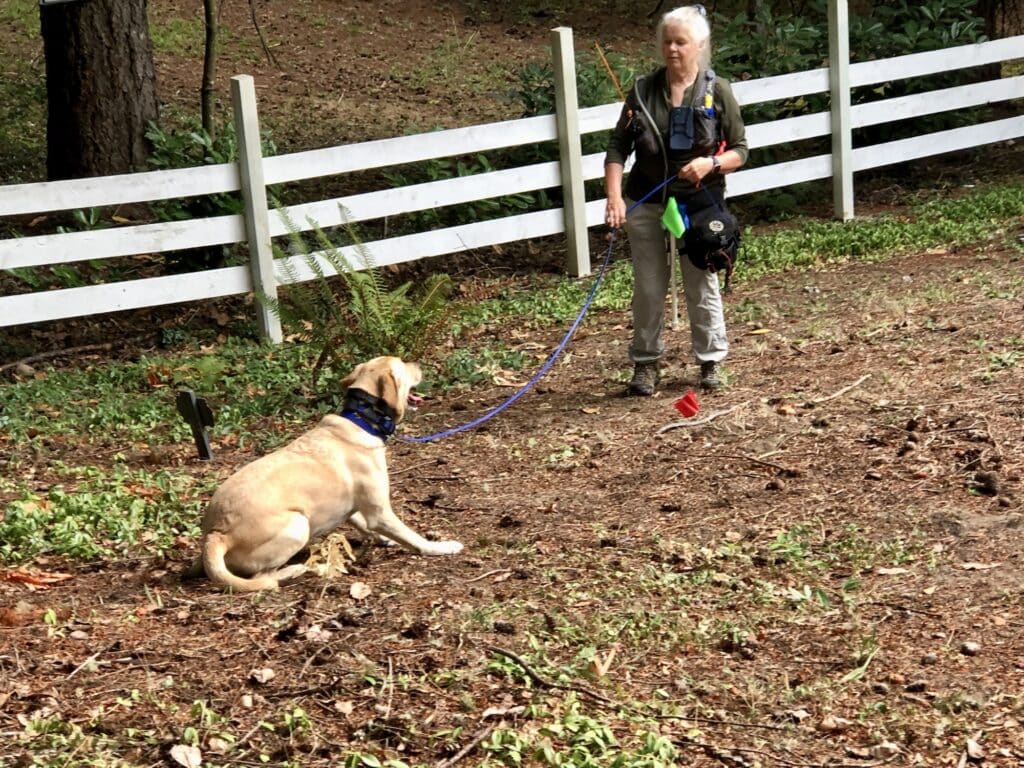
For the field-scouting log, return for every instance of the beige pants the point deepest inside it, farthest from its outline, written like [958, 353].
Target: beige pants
[651, 277]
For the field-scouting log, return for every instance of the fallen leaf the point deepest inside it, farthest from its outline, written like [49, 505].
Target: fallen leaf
[974, 750]
[186, 755]
[759, 331]
[218, 745]
[330, 559]
[886, 750]
[891, 571]
[22, 613]
[506, 381]
[979, 566]
[834, 724]
[264, 675]
[359, 590]
[34, 579]
[501, 711]
[317, 634]
[598, 666]
[345, 707]
[589, 409]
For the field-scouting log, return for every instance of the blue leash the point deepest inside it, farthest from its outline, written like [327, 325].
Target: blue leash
[554, 355]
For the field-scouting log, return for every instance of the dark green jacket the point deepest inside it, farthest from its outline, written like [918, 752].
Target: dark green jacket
[648, 102]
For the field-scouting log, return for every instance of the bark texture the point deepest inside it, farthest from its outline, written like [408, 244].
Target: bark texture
[100, 85]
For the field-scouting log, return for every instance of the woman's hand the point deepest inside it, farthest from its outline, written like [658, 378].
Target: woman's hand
[615, 212]
[695, 170]
[615, 208]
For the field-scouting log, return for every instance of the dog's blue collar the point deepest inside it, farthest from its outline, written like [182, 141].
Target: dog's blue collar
[369, 413]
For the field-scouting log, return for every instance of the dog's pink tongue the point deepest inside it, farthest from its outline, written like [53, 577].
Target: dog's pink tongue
[414, 399]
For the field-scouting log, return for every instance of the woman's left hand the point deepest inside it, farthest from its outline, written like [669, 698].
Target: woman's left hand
[696, 169]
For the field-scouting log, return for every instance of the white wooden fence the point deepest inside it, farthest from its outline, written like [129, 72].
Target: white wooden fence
[258, 225]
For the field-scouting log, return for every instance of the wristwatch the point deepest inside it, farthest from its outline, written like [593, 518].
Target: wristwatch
[716, 166]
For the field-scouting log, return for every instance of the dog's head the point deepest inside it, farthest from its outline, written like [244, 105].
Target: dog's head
[389, 378]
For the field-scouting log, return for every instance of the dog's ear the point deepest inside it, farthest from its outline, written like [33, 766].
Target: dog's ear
[347, 381]
[387, 390]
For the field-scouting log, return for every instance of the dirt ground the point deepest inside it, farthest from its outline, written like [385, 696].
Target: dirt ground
[333, 73]
[821, 568]
[864, 412]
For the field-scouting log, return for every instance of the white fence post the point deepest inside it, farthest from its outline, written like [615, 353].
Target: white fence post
[842, 124]
[570, 152]
[254, 196]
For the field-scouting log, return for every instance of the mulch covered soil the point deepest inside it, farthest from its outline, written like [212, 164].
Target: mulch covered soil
[823, 566]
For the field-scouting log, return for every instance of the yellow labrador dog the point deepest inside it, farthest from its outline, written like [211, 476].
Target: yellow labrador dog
[269, 510]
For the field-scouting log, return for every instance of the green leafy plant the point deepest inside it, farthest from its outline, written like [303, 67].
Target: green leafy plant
[99, 516]
[186, 144]
[357, 316]
[76, 274]
[464, 213]
[535, 86]
[978, 216]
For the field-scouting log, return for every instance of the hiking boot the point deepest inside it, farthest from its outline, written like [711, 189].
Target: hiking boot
[645, 378]
[710, 375]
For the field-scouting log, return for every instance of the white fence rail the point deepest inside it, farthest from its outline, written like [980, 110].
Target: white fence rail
[258, 225]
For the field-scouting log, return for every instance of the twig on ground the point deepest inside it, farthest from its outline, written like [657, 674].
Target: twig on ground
[259, 33]
[715, 721]
[544, 682]
[843, 391]
[483, 576]
[91, 659]
[992, 436]
[390, 683]
[333, 685]
[700, 422]
[84, 664]
[105, 346]
[740, 457]
[311, 659]
[478, 737]
[721, 753]
[901, 607]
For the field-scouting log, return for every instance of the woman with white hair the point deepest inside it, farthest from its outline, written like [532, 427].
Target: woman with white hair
[681, 120]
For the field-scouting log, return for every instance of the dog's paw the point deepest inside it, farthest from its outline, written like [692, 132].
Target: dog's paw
[290, 572]
[443, 548]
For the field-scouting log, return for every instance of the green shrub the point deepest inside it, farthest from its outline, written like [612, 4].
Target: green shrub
[464, 213]
[356, 316]
[185, 145]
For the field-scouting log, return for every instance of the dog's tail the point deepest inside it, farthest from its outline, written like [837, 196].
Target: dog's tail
[214, 549]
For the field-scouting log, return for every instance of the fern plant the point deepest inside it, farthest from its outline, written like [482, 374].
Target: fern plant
[353, 315]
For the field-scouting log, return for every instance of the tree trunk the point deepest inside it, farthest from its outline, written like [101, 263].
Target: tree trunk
[100, 87]
[209, 68]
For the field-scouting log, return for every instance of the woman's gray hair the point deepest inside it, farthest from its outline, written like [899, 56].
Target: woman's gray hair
[694, 19]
